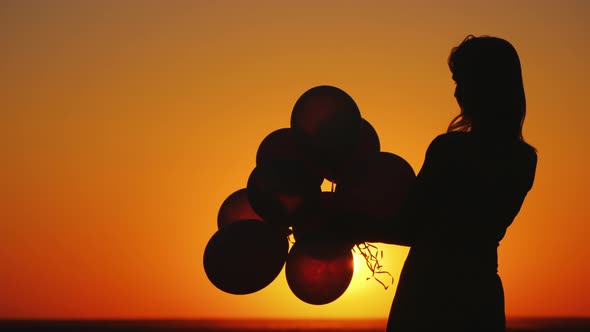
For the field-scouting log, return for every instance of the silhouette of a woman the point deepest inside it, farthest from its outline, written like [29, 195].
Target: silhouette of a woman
[472, 184]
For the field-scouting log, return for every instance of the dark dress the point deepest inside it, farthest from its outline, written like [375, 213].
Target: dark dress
[464, 198]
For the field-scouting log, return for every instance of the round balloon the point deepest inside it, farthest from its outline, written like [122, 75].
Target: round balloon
[326, 123]
[280, 190]
[245, 256]
[367, 147]
[280, 146]
[319, 272]
[316, 218]
[236, 207]
[378, 188]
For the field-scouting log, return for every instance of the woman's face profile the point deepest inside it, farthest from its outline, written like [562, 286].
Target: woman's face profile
[458, 90]
[462, 91]
[459, 95]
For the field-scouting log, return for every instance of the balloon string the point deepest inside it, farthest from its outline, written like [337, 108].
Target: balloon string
[371, 254]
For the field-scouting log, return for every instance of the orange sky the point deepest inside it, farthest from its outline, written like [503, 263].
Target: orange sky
[124, 127]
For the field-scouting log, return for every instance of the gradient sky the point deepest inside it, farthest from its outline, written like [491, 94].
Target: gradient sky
[126, 124]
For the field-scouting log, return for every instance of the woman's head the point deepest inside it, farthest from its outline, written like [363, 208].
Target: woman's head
[489, 88]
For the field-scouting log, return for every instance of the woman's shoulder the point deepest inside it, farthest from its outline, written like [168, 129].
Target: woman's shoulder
[451, 140]
[447, 147]
[458, 139]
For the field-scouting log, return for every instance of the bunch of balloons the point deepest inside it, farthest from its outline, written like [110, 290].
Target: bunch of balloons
[283, 202]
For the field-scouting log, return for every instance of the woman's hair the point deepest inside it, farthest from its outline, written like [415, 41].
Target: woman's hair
[490, 89]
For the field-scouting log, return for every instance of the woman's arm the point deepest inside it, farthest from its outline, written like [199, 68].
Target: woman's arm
[402, 228]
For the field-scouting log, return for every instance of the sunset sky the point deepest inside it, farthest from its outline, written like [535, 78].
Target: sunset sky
[125, 124]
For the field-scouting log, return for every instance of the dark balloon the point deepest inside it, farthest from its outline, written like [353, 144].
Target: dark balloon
[317, 218]
[319, 272]
[378, 188]
[367, 147]
[245, 256]
[280, 146]
[280, 190]
[236, 207]
[326, 123]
